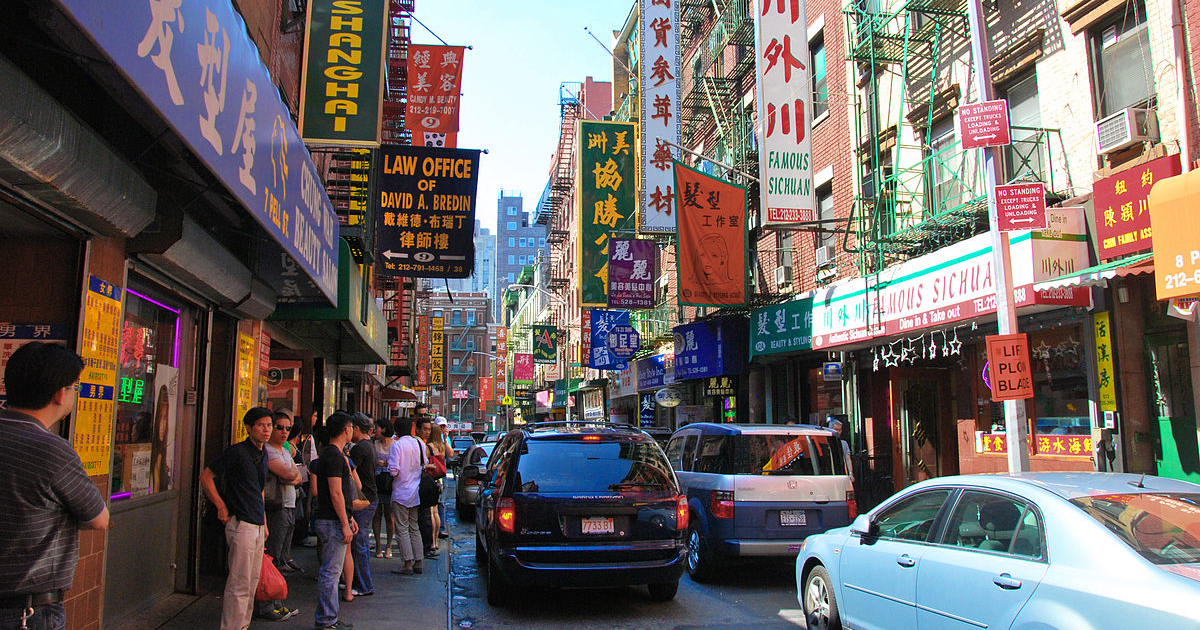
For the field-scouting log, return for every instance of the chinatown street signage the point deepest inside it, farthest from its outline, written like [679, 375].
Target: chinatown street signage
[631, 273]
[711, 348]
[603, 322]
[545, 345]
[100, 347]
[660, 114]
[1106, 372]
[780, 328]
[437, 345]
[711, 222]
[196, 65]
[668, 397]
[984, 124]
[624, 342]
[1122, 207]
[1009, 372]
[425, 211]
[341, 87]
[646, 410]
[607, 194]
[434, 85]
[784, 81]
[951, 285]
[1176, 240]
[1021, 207]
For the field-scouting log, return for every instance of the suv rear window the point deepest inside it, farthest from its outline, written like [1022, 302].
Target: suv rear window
[462, 443]
[603, 466]
[771, 454]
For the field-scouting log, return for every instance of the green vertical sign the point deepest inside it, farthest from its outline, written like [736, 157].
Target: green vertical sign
[781, 328]
[608, 186]
[545, 345]
[341, 87]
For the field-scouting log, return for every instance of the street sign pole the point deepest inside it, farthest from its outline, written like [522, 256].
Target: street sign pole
[1006, 310]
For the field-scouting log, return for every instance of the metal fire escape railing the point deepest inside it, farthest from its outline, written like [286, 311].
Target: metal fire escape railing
[555, 206]
[396, 99]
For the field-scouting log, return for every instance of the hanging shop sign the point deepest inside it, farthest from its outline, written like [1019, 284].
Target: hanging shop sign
[607, 200]
[631, 273]
[603, 322]
[668, 397]
[1122, 207]
[984, 124]
[486, 393]
[711, 348]
[660, 112]
[784, 81]
[1172, 210]
[195, 64]
[593, 404]
[522, 369]
[545, 345]
[623, 342]
[100, 347]
[434, 85]
[1021, 207]
[646, 410]
[425, 211]
[424, 350]
[13, 336]
[627, 380]
[460, 394]
[437, 351]
[720, 386]
[1010, 374]
[1106, 375]
[780, 328]
[342, 83]
[711, 215]
[951, 285]
[831, 371]
[650, 372]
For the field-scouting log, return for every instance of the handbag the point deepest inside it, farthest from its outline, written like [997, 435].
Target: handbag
[271, 585]
[428, 491]
[273, 493]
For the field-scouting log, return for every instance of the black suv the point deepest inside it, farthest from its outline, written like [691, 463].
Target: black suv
[575, 504]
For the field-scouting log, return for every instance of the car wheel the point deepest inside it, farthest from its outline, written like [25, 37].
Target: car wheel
[663, 591]
[498, 589]
[699, 560]
[820, 604]
[480, 553]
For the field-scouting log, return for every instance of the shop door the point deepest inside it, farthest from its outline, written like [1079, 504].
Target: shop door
[918, 410]
[1170, 384]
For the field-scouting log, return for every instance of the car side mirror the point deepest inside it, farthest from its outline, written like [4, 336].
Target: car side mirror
[863, 526]
[471, 472]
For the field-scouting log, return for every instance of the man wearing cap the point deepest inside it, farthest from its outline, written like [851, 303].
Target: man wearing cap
[363, 456]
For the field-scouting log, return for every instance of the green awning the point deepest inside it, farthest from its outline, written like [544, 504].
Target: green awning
[1098, 275]
[353, 332]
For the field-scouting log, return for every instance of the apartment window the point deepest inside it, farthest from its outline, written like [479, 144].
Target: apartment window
[512, 241]
[947, 168]
[470, 318]
[512, 259]
[522, 261]
[512, 225]
[512, 277]
[512, 211]
[524, 242]
[783, 242]
[820, 99]
[541, 242]
[1024, 155]
[824, 214]
[1121, 61]
[456, 318]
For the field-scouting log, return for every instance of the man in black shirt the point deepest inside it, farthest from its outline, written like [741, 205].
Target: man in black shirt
[243, 472]
[334, 525]
[45, 494]
[362, 455]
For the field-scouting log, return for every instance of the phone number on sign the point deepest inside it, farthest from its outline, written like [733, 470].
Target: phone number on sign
[1181, 279]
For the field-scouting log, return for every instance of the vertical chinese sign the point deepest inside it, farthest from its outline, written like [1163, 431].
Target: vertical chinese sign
[437, 351]
[341, 87]
[1122, 207]
[424, 350]
[600, 356]
[660, 102]
[711, 216]
[246, 376]
[631, 273]
[501, 364]
[545, 345]
[1105, 371]
[784, 83]
[434, 83]
[486, 392]
[522, 367]
[100, 347]
[607, 193]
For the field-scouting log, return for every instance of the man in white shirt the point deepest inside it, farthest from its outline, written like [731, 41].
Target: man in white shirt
[404, 462]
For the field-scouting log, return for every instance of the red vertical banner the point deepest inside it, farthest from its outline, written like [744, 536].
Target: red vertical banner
[485, 389]
[711, 222]
[434, 83]
[423, 351]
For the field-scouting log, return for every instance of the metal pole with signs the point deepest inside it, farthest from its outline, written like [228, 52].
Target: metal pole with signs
[1006, 310]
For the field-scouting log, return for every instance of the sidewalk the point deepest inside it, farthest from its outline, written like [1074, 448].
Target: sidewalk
[415, 601]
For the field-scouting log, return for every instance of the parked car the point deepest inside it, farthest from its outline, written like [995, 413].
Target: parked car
[467, 490]
[460, 445]
[1033, 550]
[574, 504]
[756, 491]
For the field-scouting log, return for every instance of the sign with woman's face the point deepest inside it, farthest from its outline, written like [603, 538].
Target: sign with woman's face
[712, 239]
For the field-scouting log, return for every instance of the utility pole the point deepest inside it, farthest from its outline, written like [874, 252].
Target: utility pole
[1006, 310]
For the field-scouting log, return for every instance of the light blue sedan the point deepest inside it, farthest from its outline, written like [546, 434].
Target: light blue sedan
[1035, 551]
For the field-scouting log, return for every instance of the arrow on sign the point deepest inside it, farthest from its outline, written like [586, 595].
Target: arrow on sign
[990, 136]
[391, 254]
[1029, 220]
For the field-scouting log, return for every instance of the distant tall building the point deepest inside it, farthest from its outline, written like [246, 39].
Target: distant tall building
[483, 278]
[518, 240]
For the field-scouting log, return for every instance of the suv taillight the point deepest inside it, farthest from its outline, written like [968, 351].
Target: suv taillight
[852, 504]
[681, 512]
[721, 504]
[506, 516]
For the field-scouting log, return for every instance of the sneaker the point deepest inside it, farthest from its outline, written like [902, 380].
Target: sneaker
[357, 593]
[292, 563]
[337, 625]
[285, 613]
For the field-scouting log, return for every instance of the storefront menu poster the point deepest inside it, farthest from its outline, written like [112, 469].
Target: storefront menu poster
[100, 347]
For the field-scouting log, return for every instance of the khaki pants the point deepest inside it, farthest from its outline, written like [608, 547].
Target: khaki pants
[245, 542]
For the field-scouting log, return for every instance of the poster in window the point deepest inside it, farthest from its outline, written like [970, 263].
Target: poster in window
[162, 440]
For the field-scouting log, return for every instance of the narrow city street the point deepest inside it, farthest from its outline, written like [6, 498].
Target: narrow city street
[758, 596]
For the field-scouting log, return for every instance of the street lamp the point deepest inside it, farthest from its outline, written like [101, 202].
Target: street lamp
[566, 334]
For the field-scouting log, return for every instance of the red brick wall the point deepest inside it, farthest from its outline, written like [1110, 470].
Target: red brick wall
[280, 52]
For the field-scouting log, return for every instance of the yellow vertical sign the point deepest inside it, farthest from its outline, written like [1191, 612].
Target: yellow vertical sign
[245, 377]
[1105, 375]
[100, 349]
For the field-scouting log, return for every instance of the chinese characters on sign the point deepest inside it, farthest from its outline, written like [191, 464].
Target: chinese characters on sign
[631, 273]
[425, 215]
[660, 102]
[522, 368]
[1062, 445]
[434, 83]
[1106, 376]
[500, 365]
[603, 322]
[424, 350]
[13, 336]
[341, 91]
[783, 327]
[100, 348]
[1123, 209]
[785, 113]
[607, 194]
[1021, 207]
[545, 345]
[437, 354]
[246, 376]
[712, 239]
[983, 124]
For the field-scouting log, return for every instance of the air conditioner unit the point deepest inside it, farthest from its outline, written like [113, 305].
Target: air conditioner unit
[825, 255]
[1125, 128]
[783, 275]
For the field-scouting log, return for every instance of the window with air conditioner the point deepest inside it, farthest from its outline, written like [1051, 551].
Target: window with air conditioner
[826, 239]
[1122, 65]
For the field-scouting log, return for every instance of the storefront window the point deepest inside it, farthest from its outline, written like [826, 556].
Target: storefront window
[147, 396]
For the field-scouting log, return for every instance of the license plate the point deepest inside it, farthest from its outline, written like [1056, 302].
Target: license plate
[792, 518]
[597, 525]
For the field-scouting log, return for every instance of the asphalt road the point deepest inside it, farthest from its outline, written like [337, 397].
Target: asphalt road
[758, 597]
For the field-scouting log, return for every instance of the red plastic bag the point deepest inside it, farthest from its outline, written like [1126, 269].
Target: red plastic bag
[271, 585]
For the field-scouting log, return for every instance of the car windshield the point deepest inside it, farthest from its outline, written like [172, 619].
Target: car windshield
[604, 466]
[1163, 527]
[780, 454]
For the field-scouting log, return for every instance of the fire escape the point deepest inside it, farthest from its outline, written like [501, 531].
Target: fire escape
[555, 208]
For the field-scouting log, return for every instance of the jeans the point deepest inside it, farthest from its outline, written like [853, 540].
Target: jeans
[245, 542]
[360, 550]
[332, 552]
[48, 617]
